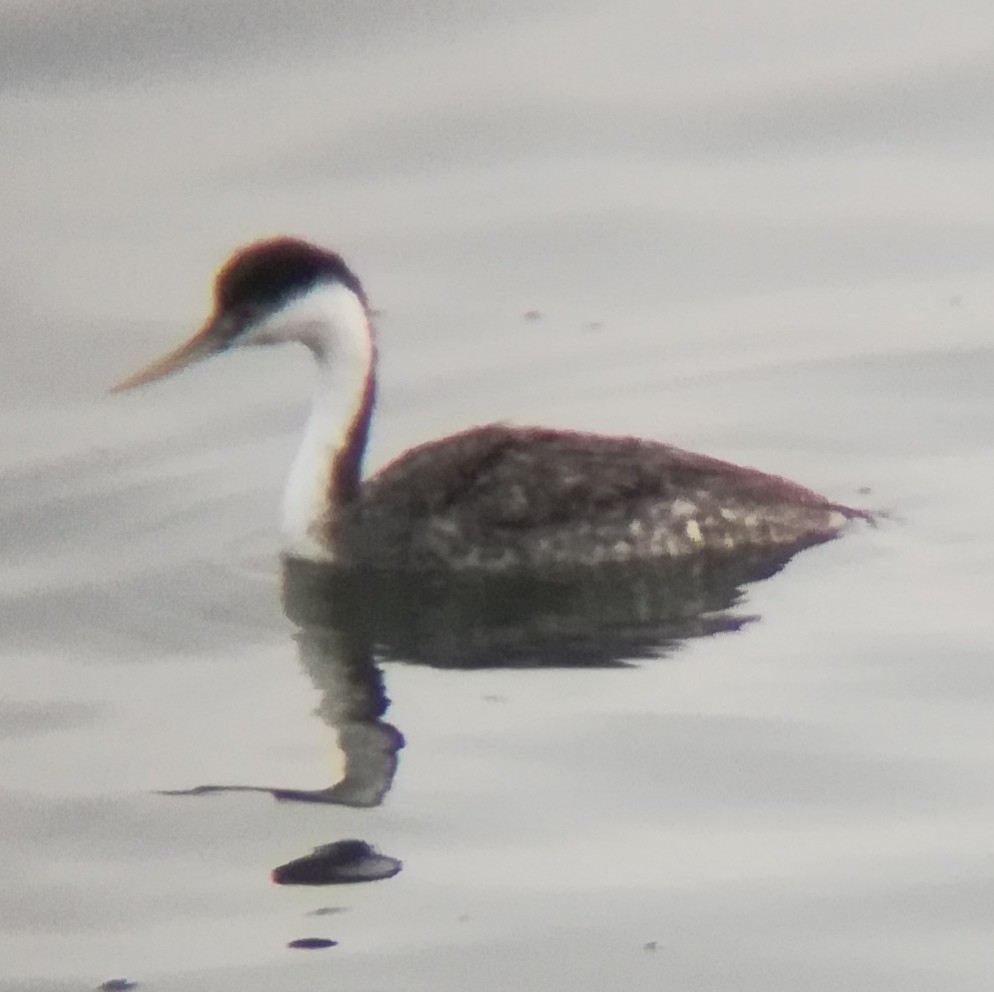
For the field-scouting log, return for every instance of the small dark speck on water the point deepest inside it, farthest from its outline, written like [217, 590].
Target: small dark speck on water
[327, 910]
[117, 985]
[594, 325]
[312, 943]
[533, 315]
[494, 698]
[651, 945]
[956, 301]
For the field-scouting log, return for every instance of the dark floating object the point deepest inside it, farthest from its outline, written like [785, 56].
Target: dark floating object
[327, 911]
[312, 943]
[344, 862]
[117, 985]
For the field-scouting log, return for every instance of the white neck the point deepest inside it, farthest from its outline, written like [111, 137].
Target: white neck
[332, 321]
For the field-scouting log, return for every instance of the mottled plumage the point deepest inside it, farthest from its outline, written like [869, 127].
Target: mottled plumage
[492, 498]
[502, 497]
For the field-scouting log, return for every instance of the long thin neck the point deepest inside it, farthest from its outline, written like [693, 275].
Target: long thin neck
[327, 470]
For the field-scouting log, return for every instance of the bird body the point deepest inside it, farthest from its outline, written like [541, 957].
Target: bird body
[495, 497]
[501, 496]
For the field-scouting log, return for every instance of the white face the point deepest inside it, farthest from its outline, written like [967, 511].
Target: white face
[327, 319]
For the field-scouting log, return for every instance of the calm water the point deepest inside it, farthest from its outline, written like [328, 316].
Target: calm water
[762, 230]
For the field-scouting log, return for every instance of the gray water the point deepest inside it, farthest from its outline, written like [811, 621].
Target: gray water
[759, 229]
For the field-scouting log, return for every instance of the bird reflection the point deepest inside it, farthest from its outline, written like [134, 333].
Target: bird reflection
[609, 616]
[353, 702]
[349, 622]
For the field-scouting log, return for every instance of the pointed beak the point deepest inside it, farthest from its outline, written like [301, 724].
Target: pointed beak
[210, 339]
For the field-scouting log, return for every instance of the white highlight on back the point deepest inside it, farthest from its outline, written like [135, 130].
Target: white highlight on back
[332, 322]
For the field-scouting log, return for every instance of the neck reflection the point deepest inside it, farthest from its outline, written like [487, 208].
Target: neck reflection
[348, 622]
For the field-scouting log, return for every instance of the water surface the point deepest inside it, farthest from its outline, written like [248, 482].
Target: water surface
[760, 230]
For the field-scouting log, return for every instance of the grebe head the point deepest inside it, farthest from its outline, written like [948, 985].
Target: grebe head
[280, 289]
[288, 290]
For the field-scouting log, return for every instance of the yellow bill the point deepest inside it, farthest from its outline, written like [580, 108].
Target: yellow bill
[206, 342]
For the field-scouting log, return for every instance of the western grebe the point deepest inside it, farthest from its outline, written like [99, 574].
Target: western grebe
[494, 497]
